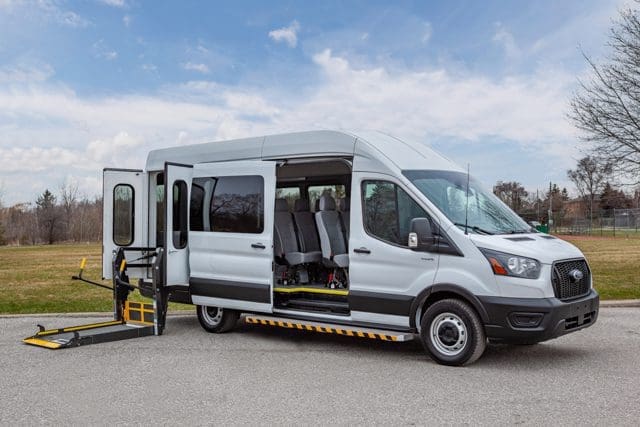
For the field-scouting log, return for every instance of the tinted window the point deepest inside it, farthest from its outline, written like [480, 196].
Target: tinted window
[388, 211]
[179, 214]
[196, 220]
[237, 205]
[123, 202]
[160, 210]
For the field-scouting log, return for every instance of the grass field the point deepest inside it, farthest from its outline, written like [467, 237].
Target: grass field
[37, 279]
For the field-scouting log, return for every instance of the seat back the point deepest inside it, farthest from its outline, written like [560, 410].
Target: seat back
[285, 240]
[345, 215]
[330, 229]
[306, 226]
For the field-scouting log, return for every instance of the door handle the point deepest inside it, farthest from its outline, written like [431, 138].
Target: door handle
[258, 246]
[362, 251]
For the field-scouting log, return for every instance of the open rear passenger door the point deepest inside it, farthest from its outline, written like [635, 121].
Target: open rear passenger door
[124, 211]
[231, 245]
[178, 191]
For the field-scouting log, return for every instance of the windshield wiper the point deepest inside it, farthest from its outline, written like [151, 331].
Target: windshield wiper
[473, 227]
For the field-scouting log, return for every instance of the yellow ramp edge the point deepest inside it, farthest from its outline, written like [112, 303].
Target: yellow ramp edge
[42, 343]
[328, 328]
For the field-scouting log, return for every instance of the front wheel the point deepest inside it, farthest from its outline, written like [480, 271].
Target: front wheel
[452, 333]
[216, 319]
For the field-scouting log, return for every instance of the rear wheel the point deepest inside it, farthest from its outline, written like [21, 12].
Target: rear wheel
[452, 333]
[216, 319]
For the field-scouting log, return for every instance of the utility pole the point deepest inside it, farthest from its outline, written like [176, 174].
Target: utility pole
[550, 207]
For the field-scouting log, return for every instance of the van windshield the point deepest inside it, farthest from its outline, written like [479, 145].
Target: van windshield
[480, 210]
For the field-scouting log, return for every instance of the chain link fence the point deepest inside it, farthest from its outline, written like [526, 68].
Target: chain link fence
[610, 222]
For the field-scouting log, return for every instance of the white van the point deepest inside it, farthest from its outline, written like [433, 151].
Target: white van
[346, 230]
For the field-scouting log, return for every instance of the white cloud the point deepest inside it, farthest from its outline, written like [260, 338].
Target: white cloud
[102, 51]
[505, 39]
[127, 20]
[47, 128]
[23, 73]
[114, 3]
[64, 17]
[426, 33]
[201, 68]
[288, 34]
[149, 67]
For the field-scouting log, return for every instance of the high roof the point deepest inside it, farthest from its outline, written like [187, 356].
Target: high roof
[321, 143]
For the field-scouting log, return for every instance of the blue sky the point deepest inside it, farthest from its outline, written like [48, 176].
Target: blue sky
[92, 84]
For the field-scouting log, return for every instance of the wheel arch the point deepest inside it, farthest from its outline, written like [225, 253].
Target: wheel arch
[439, 292]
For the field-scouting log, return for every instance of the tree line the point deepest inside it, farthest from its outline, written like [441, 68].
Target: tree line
[65, 217]
[594, 183]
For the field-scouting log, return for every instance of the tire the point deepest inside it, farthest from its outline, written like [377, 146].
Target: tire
[217, 320]
[452, 333]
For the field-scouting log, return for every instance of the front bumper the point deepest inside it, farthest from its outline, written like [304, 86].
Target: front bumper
[530, 320]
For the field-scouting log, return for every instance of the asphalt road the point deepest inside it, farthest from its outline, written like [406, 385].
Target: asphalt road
[265, 375]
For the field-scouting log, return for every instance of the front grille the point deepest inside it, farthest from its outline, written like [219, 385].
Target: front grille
[564, 286]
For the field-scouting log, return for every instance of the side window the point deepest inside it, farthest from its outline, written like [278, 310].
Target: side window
[123, 202]
[237, 205]
[196, 222]
[337, 191]
[388, 211]
[179, 214]
[160, 210]
[290, 194]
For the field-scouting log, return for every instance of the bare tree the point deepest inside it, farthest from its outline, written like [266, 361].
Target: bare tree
[590, 177]
[69, 195]
[3, 239]
[511, 193]
[49, 216]
[607, 107]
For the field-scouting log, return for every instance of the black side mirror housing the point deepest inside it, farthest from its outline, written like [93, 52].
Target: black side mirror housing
[421, 236]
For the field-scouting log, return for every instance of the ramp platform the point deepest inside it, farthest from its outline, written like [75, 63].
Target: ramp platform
[137, 322]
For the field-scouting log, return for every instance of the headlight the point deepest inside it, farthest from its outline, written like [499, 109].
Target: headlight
[512, 265]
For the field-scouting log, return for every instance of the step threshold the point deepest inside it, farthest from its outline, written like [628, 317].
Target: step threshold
[329, 328]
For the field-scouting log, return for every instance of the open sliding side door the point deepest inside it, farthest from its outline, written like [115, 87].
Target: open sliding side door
[231, 245]
[124, 212]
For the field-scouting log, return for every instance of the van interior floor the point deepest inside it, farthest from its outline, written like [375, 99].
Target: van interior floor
[314, 297]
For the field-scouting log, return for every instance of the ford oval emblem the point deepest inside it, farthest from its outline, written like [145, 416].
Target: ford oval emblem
[576, 275]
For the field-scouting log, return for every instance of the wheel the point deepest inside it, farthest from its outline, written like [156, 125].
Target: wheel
[216, 319]
[452, 333]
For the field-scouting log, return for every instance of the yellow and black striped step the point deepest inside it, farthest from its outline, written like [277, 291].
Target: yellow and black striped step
[328, 328]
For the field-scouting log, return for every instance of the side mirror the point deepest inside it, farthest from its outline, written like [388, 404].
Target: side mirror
[421, 234]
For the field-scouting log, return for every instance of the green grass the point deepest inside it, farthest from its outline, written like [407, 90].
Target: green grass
[37, 279]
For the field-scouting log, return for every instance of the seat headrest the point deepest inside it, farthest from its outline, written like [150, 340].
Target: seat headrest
[327, 203]
[301, 205]
[344, 204]
[281, 205]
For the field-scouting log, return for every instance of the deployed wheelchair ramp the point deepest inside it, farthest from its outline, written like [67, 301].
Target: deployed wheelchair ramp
[131, 319]
[137, 322]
